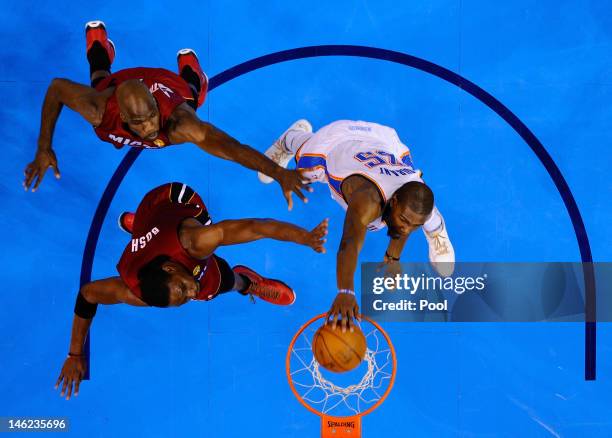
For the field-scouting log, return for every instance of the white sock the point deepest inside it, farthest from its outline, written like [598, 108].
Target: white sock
[434, 221]
[295, 139]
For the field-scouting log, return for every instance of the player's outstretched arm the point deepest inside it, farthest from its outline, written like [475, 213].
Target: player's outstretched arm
[189, 128]
[395, 249]
[80, 98]
[107, 291]
[363, 208]
[391, 260]
[205, 240]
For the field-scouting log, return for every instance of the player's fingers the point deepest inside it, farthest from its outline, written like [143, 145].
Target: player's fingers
[328, 316]
[335, 319]
[29, 177]
[59, 380]
[345, 322]
[40, 175]
[351, 318]
[77, 383]
[289, 199]
[319, 247]
[322, 229]
[64, 386]
[56, 170]
[69, 392]
[299, 194]
[35, 181]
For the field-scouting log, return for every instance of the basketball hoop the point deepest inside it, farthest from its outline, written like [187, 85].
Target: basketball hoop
[342, 402]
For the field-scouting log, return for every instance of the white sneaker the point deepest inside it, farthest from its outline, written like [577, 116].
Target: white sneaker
[441, 252]
[279, 153]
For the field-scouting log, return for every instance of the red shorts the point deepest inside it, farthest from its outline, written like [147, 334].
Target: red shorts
[171, 193]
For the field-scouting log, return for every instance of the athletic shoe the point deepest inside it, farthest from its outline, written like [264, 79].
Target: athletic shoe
[279, 153]
[126, 222]
[272, 291]
[188, 58]
[96, 31]
[441, 252]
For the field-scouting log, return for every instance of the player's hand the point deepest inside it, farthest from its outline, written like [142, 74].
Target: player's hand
[35, 171]
[316, 238]
[71, 376]
[345, 307]
[389, 267]
[293, 181]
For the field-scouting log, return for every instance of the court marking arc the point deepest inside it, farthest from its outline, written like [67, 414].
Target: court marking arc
[419, 64]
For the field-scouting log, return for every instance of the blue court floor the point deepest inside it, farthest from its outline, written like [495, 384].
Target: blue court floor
[217, 369]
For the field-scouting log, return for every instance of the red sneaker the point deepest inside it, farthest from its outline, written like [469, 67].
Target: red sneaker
[272, 291]
[96, 31]
[126, 222]
[187, 57]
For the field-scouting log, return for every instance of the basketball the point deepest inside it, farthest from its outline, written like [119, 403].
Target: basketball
[336, 351]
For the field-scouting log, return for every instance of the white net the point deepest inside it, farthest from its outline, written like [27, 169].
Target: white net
[342, 394]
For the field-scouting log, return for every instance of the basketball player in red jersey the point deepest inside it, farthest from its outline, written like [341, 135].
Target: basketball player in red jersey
[170, 261]
[144, 108]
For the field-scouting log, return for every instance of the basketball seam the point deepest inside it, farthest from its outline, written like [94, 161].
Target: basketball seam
[351, 348]
[332, 356]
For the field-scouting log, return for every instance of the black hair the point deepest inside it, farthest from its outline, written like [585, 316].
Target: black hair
[154, 282]
[417, 196]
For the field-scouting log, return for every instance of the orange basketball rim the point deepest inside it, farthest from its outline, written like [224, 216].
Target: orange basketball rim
[355, 399]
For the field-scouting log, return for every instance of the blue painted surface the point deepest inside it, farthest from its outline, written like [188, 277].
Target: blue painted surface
[217, 369]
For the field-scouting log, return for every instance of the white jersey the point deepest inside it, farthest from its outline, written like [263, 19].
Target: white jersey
[346, 148]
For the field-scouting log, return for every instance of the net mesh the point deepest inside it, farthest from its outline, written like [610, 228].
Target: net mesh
[344, 394]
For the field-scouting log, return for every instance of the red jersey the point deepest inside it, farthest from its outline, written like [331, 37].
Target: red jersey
[155, 233]
[169, 91]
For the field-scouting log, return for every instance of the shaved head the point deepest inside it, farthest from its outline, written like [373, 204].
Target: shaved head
[138, 109]
[135, 99]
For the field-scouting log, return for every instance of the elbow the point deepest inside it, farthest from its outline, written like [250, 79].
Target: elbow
[197, 133]
[86, 305]
[55, 87]
[55, 84]
[259, 227]
[87, 292]
[199, 136]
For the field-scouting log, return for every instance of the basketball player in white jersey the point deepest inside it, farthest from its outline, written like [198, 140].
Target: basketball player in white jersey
[370, 173]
